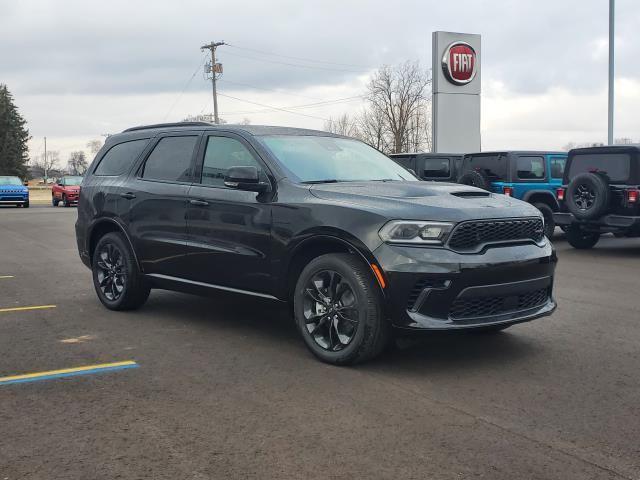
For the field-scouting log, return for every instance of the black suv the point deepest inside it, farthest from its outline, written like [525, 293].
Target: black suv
[351, 239]
[435, 167]
[600, 194]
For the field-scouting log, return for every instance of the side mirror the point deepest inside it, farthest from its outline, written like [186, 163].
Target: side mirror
[26, 184]
[245, 178]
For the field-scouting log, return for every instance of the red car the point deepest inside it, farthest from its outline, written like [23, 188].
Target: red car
[66, 191]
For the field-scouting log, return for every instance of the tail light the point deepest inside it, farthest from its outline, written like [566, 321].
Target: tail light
[632, 196]
[508, 191]
[560, 194]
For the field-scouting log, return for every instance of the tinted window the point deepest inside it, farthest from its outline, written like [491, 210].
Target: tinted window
[615, 165]
[531, 168]
[434, 167]
[494, 166]
[170, 160]
[221, 154]
[557, 166]
[406, 162]
[120, 157]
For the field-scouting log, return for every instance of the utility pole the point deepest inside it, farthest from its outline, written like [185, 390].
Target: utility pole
[216, 68]
[612, 21]
[44, 164]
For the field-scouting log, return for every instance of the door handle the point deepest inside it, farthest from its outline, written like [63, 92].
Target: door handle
[200, 203]
[128, 195]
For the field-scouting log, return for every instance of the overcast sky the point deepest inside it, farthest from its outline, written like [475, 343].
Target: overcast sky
[80, 69]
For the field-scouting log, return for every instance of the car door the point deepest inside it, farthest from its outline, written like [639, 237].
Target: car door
[531, 173]
[157, 197]
[556, 171]
[228, 230]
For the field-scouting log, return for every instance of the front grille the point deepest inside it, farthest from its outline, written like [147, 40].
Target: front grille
[470, 235]
[11, 198]
[491, 306]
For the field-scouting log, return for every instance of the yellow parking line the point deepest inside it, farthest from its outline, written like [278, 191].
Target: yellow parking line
[23, 309]
[68, 372]
[5, 276]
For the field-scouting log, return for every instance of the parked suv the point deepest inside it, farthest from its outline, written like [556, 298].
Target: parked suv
[66, 191]
[436, 167]
[529, 176]
[13, 192]
[349, 238]
[600, 194]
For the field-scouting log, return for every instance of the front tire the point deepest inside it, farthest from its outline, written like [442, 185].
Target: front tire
[549, 222]
[54, 201]
[25, 204]
[116, 278]
[580, 239]
[338, 310]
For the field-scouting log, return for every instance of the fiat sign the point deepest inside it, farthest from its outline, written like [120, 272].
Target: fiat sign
[459, 63]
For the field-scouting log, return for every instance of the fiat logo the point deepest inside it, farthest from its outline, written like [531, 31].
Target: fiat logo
[459, 63]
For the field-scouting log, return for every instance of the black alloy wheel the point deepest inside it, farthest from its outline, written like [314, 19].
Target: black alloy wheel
[337, 304]
[110, 272]
[584, 197]
[116, 277]
[581, 239]
[331, 310]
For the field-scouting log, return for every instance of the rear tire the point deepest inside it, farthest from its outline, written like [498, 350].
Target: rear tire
[116, 278]
[549, 222]
[580, 239]
[338, 310]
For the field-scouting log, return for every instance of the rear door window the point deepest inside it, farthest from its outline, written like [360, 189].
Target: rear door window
[494, 166]
[120, 157]
[617, 166]
[557, 166]
[530, 168]
[170, 160]
[436, 167]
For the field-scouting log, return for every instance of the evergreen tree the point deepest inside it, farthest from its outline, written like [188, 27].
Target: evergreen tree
[13, 137]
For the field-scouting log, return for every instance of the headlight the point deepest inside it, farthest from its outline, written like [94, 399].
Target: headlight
[418, 232]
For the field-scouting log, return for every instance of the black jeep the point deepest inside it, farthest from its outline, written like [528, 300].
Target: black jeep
[435, 167]
[353, 241]
[600, 194]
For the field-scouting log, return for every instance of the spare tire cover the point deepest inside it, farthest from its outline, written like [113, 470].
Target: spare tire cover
[476, 178]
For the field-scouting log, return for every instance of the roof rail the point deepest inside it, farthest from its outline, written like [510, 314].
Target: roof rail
[168, 125]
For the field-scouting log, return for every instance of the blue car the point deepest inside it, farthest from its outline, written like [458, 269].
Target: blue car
[526, 175]
[13, 192]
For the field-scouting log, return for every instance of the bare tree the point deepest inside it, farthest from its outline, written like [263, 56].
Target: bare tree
[94, 146]
[77, 163]
[623, 141]
[47, 163]
[400, 93]
[343, 125]
[372, 128]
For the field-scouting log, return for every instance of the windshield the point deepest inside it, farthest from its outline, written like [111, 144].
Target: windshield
[71, 181]
[10, 181]
[615, 165]
[327, 159]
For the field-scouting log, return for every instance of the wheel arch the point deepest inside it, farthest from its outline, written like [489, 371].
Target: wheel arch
[542, 196]
[319, 244]
[107, 225]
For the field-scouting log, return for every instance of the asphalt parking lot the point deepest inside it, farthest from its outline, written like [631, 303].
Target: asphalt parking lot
[224, 388]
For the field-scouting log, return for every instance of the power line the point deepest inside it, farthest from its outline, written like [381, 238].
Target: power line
[183, 89]
[268, 89]
[326, 103]
[297, 58]
[274, 108]
[297, 65]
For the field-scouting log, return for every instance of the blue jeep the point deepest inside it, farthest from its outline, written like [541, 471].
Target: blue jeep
[12, 192]
[530, 176]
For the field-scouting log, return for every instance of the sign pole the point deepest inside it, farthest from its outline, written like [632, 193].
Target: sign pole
[612, 7]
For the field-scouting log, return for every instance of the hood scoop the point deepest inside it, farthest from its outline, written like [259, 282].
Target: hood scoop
[471, 194]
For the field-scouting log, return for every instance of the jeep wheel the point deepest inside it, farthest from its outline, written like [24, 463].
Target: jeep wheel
[116, 278]
[549, 222]
[476, 178]
[580, 239]
[25, 204]
[587, 196]
[338, 310]
[65, 202]
[54, 201]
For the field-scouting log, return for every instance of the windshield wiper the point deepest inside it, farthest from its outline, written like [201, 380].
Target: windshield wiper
[329, 180]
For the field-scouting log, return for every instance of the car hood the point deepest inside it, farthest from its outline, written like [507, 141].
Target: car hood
[13, 188]
[424, 200]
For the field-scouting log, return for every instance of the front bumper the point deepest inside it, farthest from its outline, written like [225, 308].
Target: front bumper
[13, 199]
[604, 223]
[437, 289]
